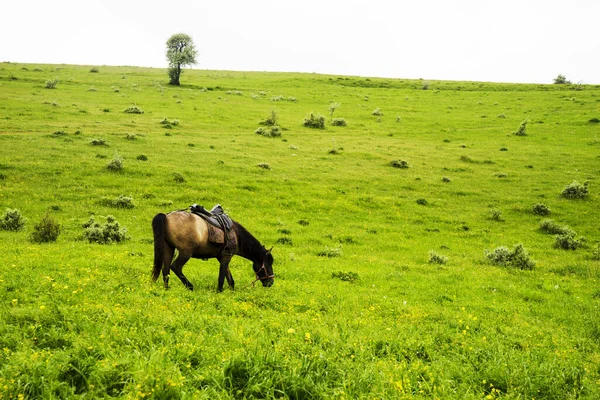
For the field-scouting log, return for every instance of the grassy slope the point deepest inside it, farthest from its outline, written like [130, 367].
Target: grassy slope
[80, 318]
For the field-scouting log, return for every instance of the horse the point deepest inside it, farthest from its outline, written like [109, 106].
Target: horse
[188, 233]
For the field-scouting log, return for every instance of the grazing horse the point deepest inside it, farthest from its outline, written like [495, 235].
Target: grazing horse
[188, 233]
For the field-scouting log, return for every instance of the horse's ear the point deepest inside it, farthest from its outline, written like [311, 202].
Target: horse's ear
[271, 249]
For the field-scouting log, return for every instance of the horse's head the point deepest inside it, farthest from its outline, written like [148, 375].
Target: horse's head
[264, 271]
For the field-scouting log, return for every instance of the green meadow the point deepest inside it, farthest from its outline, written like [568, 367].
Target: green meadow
[396, 236]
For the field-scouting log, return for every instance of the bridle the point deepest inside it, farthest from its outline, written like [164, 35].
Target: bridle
[258, 278]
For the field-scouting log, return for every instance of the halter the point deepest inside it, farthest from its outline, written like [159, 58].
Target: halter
[258, 278]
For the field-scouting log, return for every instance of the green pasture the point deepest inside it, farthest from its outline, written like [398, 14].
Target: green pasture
[359, 308]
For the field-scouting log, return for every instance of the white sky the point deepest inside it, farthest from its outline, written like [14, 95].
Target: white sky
[476, 40]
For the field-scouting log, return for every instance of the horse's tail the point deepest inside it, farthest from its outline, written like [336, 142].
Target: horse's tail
[159, 224]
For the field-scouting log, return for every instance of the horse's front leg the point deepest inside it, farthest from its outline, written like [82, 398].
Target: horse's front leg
[224, 273]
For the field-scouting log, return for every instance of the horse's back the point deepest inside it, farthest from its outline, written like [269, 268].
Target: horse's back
[187, 232]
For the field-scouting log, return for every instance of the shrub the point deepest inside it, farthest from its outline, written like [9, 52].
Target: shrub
[422, 202]
[435, 258]
[345, 276]
[59, 133]
[133, 110]
[568, 241]
[594, 121]
[338, 122]
[106, 233]
[522, 131]
[552, 228]
[332, 107]
[264, 165]
[119, 202]
[47, 230]
[273, 131]
[540, 209]
[116, 164]
[561, 80]
[178, 178]
[51, 83]
[12, 220]
[130, 136]
[496, 215]
[517, 258]
[142, 157]
[377, 112]
[315, 121]
[330, 252]
[94, 70]
[445, 179]
[399, 164]
[98, 142]
[271, 120]
[575, 190]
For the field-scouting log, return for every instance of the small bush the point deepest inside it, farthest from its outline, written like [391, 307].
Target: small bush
[12, 220]
[47, 230]
[435, 258]
[345, 276]
[338, 122]
[522, 131]
[445, 179]
[94, 70]
[540, 209]
[284, 240]
[568, 241]
[272, 131]
[315, 121]
[133, 110]
[119, 202]
[142, 157]
[178, 178]
[496, 215]
[59, 133]
[400, 164]
[116, 164]
[330, 252]
[271, 120]
[98, 142]
[422, 202]
[130, 136]
[264, 165]
[594, 121]
[106, 233]
[377, 112]
[550, 227]
[517, 258]
[575, 190]
[51, 83]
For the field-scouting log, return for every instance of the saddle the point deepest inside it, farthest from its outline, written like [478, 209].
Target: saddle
[219, 226]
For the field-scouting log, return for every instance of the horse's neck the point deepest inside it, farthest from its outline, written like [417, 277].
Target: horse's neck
[249, 246]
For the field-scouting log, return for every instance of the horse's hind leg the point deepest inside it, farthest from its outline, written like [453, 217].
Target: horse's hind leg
[168, 259]
[177, 268]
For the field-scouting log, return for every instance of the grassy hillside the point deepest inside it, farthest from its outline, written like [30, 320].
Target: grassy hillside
[360, 307]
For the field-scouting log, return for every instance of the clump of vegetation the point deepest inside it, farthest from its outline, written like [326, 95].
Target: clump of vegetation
[568, 241]
[540, 209]
[330, 252]
[422, 202]
[400, 164]
[522, 131]
[284, 240]
[445, 179]
[264, 165]
[496, 215]
[561, 80]
[116, 164]
[271, 120]
[332, 107]
[47, 230]
[51, 83]
[339, 122]
[168, 124]
[594, 120]
[120, 201]
[575, 190]
[314, 121]
[94, 70]
[345, 276]
[142, 157]
[272, 131]
[98, 142]
[12, 220]
[377, 112]
[516, 258]
[435, 258]
[550, 227]
[130, 136]
[133, 110]
[178, 178]
[59, 133]
[106, 233]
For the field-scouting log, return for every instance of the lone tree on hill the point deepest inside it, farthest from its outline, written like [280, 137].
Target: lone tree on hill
[561, 80]
[181, 51]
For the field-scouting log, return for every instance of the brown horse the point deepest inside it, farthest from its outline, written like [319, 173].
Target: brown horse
[188, 233]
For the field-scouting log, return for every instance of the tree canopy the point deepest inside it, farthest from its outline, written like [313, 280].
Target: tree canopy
[181, 51]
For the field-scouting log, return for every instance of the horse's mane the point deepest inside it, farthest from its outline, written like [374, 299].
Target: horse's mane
[248, 243]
